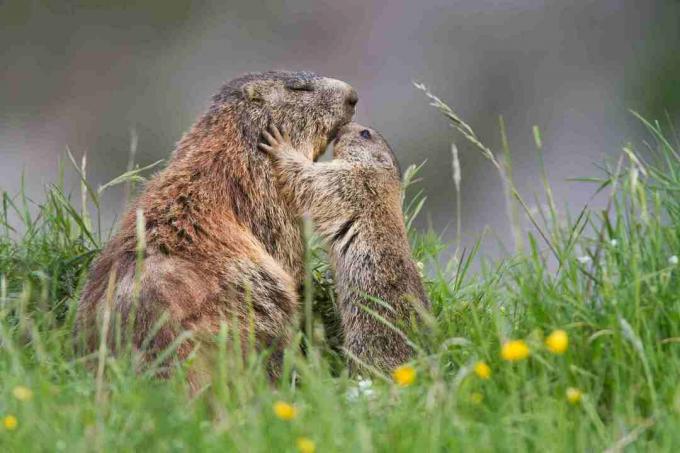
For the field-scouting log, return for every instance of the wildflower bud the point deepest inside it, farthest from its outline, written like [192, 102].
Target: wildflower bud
[22, 393]
[404, 375]
[476, 398]
[574, 395]
[10, 422]
[585, 259]
[285, 411]
[557, 342]
[514, 350]
[482, 370]
[305, 445]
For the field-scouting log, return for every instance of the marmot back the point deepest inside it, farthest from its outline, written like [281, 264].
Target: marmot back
[355, 202]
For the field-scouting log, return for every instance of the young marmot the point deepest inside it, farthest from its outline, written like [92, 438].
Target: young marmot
[221, 242]
[355, 203]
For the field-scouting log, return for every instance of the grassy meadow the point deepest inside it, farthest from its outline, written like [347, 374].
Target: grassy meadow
[570, 344]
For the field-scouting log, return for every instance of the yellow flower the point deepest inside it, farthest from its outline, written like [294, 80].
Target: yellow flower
[305, 445]
[22, 393]
[514, 350]
[10, 422]
[285, 411]
[557, 342]
[476, 398]
[404, 375]
[482, 370]
[574, 395]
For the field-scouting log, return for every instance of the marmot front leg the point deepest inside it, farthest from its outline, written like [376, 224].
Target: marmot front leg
[306, 184]
[296, 174]
[288, 162]
[312, 187]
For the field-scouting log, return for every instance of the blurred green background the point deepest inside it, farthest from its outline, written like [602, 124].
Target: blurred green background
[82, 74]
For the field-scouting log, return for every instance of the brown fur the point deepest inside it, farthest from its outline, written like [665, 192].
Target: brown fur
[355, 202]
[221, 241]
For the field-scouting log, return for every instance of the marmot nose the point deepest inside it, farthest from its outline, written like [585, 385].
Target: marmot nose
[352, 97]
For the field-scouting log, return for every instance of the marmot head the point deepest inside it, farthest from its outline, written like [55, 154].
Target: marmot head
[357, 143]
[310, 107]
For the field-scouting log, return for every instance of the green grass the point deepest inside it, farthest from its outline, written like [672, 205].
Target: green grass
[607, 277]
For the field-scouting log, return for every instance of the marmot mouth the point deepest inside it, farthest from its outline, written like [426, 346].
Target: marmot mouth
[333, 135]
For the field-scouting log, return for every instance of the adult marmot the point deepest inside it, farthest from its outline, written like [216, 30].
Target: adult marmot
[221, 242]
[355, 203]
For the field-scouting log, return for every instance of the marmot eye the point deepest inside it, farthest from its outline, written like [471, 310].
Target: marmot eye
[299, 85]
[365, 134]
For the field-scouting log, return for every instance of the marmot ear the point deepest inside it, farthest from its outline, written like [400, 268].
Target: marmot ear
[253, 91]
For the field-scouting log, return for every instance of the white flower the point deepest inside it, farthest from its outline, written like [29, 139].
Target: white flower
[673, 260]
[365, 384]
[364, 388]
[352, 393]
[585, 259]
[614, 242]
